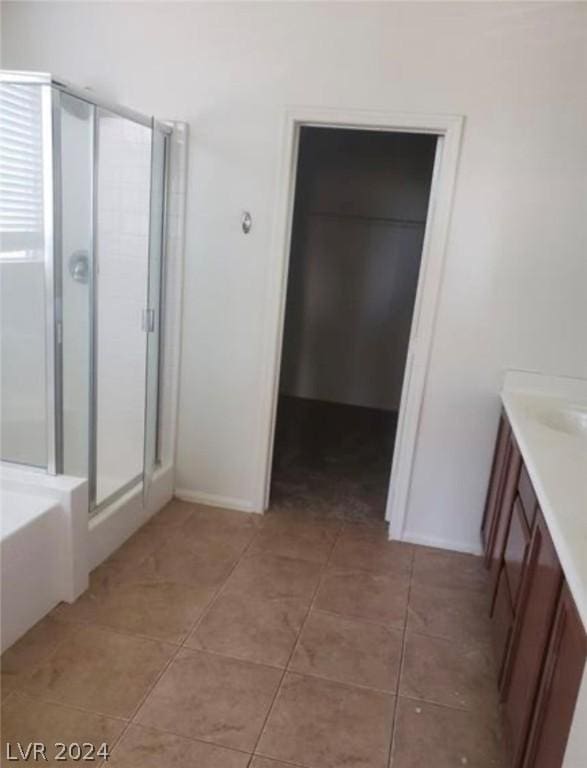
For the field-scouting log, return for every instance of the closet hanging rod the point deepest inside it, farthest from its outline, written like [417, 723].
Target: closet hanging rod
[361, 217]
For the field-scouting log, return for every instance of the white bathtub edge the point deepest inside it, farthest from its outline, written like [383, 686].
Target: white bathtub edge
[44, 560]
[64, 546]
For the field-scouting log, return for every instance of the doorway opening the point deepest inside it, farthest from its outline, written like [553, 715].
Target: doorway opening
[358, 228]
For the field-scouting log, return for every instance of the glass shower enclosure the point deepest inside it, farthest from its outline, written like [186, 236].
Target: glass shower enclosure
[83, 186]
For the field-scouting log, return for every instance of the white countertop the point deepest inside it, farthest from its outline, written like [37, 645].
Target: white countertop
[556, 461]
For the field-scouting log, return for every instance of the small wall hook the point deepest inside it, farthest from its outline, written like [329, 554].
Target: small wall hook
[246, 222]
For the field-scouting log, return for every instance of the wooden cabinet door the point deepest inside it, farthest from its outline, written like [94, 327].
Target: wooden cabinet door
[527, 496]
[559, 688]
[502, 622]
[538, 593]
[516, 550]
[496, 484]
[503, 516]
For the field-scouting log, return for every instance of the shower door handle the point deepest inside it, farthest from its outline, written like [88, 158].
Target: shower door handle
[148, 320]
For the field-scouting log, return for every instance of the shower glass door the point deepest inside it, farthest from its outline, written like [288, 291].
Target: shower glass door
[122, 187]
[82, 233]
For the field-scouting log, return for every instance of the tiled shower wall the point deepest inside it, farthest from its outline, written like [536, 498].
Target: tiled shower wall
[108, 531]
[124, 171]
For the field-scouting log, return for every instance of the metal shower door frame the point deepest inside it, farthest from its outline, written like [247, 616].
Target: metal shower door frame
[146, 474]
[52, 88]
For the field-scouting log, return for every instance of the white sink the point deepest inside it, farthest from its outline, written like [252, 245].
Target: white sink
[570, 419]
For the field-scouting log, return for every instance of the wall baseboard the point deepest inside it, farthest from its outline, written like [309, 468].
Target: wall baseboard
[214, 500]
[439, 543]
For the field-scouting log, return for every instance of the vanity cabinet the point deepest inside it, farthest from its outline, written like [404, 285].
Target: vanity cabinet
[496, 483]
[559, 688]
[539, 639]
[500, 498]
[515, 553]
[534, 617]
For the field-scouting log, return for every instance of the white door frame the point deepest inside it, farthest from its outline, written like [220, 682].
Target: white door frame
[449, 129]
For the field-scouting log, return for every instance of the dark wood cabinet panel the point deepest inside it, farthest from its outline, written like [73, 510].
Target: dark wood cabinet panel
[534, 617]
[516, 549]
[496, 484]
[503, 516]
[527, 496]
[538, 636]
[502, 623]
[559, 688]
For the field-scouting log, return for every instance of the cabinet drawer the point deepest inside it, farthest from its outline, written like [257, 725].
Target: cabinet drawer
[527, 496]
[516, 550]
[502, 621]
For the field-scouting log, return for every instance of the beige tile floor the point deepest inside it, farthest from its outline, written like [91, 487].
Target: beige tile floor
[214, 639]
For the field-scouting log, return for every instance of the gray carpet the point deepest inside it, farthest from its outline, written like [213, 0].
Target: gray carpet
[332, 460]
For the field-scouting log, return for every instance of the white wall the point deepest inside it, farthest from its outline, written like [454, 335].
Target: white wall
[361, 203]
[513, 293]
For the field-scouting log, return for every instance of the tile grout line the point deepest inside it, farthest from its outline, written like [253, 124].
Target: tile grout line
[191, 739]
[219, 591]
[296, 643]
[132, 719]
[396, 694]
[80, 623]
[361, 619]
[280, 762]
[85, 711]
[341, 526]
[77, 627]
[401, 666]
[335, 681]
[74, 629]
[126, 720]
[66, 705]
[468, 710]
[182, 646]
[179, 643]
[232, 657]
[177, 647]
